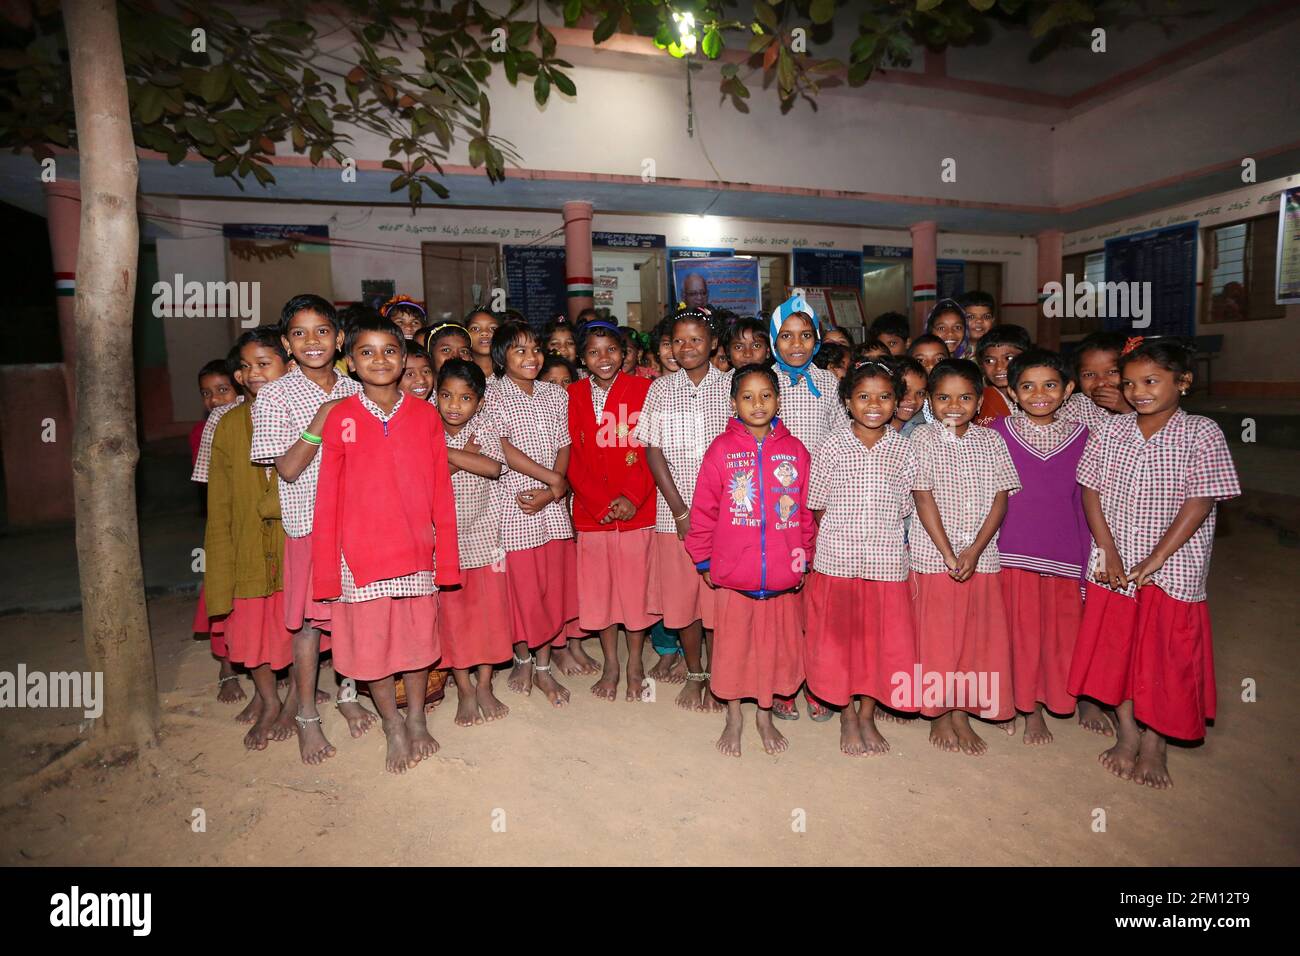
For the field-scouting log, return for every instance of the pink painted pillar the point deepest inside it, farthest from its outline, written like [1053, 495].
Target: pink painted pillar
[925, 272]
[578, 281]
[1049, 270]
[63, 218]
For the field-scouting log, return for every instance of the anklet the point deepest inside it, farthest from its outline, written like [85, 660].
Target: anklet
[222, 680]
[526, 660]
[705, 675]
[543, 668]
[304, 721]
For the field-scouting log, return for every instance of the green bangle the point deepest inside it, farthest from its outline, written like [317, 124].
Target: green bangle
[310, 439]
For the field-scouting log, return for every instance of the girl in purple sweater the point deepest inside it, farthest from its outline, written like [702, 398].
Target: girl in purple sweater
[1044, 539]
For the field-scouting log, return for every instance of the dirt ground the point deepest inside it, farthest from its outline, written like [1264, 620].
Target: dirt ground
[640, 784]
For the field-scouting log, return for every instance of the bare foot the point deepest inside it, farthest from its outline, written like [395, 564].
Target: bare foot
[711, 704]
[521, 677]
[851, 741]
[876, 744]
[1092, 717]
[492, 708]
[677, 671]
[398, 758]
[774, 741]
[467, 714]
[312, 743]
[562, 658]
[284, 725]
[250, 713]
[893, 716]
[968, 741]
[635, 684]
[582, 658]
[691, 696]
[321, 697]
[554, 691]
[1121, 758]
[359, 719]
[729, 742]
[229, 689]
[1008, 727]
[1036, 732]
[1151, 769]
[607, 687]
[943, 735]
[262, 732]
[421, 742]
[663, 668]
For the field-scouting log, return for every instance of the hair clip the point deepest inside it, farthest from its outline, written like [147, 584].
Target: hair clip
[1131, 343]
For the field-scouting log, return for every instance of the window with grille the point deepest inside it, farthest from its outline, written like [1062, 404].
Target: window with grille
[1239, 262]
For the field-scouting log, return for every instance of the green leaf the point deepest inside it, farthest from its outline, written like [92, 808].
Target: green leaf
[214, 83]
[477, 151]
[511, 64]
[863, 47]
[393, 164]
[316, 110]
[563, 83]
[484, 112]
[785, 69]
[821, 11]
[711, 45]
[606, 27]
[541, 88]
[860, 72]
[765, 15]
[224, 167]
[521, 34]
[262, 174]
[924, 6]
[761, 42]
[199, 130]
[572, 11]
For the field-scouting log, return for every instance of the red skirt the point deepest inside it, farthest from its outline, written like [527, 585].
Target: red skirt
[215, 628]
[1043, 612]
[542, 590]
[385, 636]
[298, 605]
[859, 637]
[474, 619]
[1154, 650]
[964, 648]
[674, 588]
[256, 634]
[757, 647]
[613, 567]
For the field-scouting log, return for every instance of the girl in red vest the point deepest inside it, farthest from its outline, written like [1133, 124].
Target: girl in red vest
[613, 504]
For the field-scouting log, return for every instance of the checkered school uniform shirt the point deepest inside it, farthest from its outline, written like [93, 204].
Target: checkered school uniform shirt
[203, 460]
[1043, 438]
[681, 420]
[1143, 482]
[811, 418]
[538, 426]
[866, 494]
[1077, 408]
[478, 512]
[600, 395]
[964, 474]
[409, 585]
[284, 408]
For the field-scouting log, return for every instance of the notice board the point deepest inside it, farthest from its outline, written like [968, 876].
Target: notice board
[1166, 258]
[535, 282]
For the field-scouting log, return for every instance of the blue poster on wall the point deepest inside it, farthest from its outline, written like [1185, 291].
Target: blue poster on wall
[690, 252]
[827, 267]
[1157, 270]
[535, 282]
[726, 282]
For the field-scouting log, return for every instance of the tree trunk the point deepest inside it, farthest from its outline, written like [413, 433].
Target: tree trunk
[115, 620]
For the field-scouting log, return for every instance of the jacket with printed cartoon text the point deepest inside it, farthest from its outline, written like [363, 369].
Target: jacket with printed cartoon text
[750, 524]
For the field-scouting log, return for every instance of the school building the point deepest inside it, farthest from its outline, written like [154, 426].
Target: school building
[1160, 159]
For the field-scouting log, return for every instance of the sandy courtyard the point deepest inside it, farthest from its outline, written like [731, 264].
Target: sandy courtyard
[636, 784]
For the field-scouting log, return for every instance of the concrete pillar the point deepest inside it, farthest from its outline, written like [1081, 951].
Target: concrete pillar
[1049, 270]
[63, 218]
[578, 281]
[925, 272]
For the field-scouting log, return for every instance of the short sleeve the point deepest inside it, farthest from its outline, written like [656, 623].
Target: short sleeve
[647, 425]
[820, 475]
[1089, 471]
[1212, 473]
[907, 473]
[1005, 476]
[924, 479]
[488, 434]
[562, 438]
[273, 431]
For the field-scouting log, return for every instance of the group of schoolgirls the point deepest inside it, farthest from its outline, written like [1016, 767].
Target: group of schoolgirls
[955, 525]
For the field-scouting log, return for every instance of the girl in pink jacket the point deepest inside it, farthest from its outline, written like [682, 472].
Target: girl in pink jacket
[752, 538]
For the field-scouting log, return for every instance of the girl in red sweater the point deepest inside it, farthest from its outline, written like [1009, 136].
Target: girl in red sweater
[613, 505]
[383, 498]
[755, 554]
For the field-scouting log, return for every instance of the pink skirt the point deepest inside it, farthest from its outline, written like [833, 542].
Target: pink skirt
[964, 648]
[675, 590]
[256, 634]
[298, 605]
[757, 647]
[474, 619]
[542, 590]
[613, 567]
[1154, 650]
[215, 628]
[1043, 613]
[859, 637]
[376, 639]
